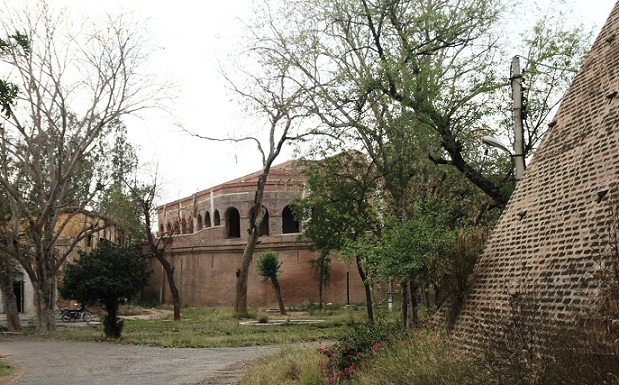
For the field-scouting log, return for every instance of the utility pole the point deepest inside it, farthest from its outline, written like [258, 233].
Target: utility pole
[516, 81]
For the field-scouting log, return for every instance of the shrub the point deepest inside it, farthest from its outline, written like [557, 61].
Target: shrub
[356, 347]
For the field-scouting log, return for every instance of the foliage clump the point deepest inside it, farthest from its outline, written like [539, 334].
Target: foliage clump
[356, 347]
[268, 267]
[108, 274]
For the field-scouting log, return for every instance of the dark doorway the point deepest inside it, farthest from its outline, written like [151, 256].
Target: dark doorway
[289, 224]
[18, 289]
[233, 223]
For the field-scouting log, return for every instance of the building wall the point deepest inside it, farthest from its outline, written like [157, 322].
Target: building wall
[206, 277]
[205, 260]
[549, 245]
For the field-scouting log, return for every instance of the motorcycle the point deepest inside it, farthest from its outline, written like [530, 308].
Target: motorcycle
[67, 315]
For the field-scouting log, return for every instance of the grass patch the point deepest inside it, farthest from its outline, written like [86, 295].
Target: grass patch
[424, 359]
[290, 366]
[218, 327]
[5, 369]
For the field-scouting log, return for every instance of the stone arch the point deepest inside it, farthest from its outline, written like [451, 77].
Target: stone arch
[216, 219]
[289, 224]
[199, 224]
[233, 223]
[207, 219]
[264, 227]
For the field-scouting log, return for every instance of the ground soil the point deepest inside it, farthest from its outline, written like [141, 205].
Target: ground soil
[140, 313]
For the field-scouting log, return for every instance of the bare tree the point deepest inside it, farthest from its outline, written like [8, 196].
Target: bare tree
[74, 82]
[276, 93]
[144, 196]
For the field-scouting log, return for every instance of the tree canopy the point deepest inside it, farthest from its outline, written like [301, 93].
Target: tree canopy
[108, 274]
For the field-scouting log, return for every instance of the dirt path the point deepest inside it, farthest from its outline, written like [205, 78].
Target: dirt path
[49, 362]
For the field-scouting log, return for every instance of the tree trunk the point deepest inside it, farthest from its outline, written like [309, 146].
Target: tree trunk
[414, 287]
[240, 304]
[368, 291]
[278, 290]
[45, 303]
[8, 295]
[169, 271]
[403, 303]
[159, 254]
[321, 284]
[112, 329]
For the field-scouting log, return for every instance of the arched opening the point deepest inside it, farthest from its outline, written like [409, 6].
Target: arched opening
[199, 220]
[190, 226]
[207, 219]
[216, 219]
[169, 228]
[263, 227]
[289, 224]
[233, 223]
[183, 226]
[177, 227]
[160, 230]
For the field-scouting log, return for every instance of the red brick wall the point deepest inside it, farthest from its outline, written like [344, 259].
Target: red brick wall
[546, 244]
[205, 261]
[205, 276]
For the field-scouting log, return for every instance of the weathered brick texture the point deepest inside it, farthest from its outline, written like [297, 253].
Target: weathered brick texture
[547, 244]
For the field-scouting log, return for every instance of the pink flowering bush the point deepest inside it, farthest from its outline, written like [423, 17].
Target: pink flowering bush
[355, 348]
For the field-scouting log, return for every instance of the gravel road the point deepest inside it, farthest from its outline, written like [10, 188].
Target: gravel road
[49, 362]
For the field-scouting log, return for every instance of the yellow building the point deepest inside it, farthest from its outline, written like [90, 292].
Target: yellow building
[83, 231]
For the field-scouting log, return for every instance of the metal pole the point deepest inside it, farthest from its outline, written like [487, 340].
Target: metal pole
[516, 80]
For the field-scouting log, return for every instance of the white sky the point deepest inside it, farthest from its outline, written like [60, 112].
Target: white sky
[193, 35]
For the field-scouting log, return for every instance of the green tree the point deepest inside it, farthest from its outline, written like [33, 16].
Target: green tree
[268, 266]
[9, 90]
[322, 272]
[386, 72]
[414, 86]
[339, 208]
[403, 252]
[109, 274]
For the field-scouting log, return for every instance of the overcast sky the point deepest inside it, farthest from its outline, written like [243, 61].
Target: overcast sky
[192, 37]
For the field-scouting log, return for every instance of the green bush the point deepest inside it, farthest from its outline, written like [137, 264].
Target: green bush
[356, 347]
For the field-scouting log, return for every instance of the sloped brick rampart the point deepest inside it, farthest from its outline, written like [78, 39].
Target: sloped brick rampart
[546, 246]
